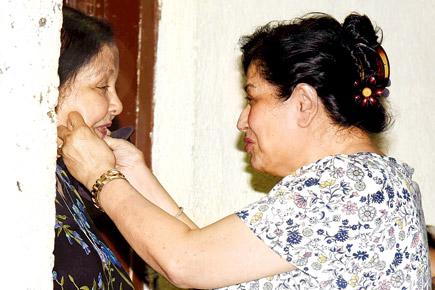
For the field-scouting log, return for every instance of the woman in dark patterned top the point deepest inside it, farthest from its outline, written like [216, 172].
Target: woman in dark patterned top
[88, 69]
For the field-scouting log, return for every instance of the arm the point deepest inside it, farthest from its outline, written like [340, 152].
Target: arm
[228, 251]
[130, 161]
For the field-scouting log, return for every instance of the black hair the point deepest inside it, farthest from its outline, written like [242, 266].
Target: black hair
[317, 50]
[431, 236]
[82, 37]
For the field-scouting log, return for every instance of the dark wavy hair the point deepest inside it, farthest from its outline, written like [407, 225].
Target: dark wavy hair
[317, 50]
[82, 37]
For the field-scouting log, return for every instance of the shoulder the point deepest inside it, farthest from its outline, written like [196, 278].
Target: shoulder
[344, 172]
[359, 170]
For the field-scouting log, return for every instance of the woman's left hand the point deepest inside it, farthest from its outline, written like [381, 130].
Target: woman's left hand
[86, 156]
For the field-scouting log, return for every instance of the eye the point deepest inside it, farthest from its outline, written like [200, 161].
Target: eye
[103, 88]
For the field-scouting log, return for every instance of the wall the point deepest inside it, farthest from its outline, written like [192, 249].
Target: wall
[198, 95]
[28, 88]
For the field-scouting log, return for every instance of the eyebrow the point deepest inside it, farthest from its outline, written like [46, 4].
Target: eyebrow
[106, 71]
[103, 72]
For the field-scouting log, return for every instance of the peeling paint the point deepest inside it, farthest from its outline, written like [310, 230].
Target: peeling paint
[57, 7]
[42, 22]
[5, 69]
[52, 115]
[19, 186]
[28, 71]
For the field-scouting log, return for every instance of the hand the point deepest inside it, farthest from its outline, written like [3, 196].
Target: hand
[85, 155]
[131, 162]
[129, 159]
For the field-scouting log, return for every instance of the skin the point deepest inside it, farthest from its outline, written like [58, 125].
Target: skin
[432, 261]
[282, 136]
[92, 93]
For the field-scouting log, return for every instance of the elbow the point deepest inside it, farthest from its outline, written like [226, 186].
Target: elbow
[181, 275]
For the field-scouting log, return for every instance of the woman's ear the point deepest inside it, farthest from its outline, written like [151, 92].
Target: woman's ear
[307, 103]
[64, 90]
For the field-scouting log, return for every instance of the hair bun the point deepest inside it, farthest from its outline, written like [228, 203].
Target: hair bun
[358, 29]
[371, 72]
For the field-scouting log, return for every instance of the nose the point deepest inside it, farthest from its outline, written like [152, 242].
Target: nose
[242, 123]
[115, 106]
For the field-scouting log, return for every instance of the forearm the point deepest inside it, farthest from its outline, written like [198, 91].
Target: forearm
[147, 184]
[156, 236]
[227, 249]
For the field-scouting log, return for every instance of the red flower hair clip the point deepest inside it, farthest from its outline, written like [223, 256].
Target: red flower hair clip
[370, 88]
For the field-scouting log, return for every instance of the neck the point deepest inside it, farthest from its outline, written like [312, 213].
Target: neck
[334, 141]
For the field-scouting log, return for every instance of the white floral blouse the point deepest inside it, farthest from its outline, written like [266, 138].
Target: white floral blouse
[346, 222]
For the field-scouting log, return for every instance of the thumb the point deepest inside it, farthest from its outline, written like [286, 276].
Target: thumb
[114, 143]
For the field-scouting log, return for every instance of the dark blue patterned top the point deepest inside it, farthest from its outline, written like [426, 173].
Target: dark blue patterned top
[82, 260]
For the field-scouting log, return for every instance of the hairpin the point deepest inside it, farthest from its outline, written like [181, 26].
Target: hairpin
[369, 89]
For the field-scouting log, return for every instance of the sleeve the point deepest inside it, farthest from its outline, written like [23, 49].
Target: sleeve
[308, 219]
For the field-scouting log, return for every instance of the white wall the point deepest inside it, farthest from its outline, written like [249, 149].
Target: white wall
[198, 94]
[28, 88]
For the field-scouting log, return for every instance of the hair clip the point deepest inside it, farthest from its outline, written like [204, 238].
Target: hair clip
[372, 87]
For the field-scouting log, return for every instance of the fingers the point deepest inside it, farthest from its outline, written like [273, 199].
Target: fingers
[114, 143]
[75, 120]
[62, 132]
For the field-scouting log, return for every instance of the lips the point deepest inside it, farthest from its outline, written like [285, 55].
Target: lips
[102, 130]
[249, 143]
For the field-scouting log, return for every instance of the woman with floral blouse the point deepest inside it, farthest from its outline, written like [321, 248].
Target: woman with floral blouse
[344, 215]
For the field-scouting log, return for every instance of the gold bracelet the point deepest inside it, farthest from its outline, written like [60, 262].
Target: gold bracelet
[179, 213]
[105, 178]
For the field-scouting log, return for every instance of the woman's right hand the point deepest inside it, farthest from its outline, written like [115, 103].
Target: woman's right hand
[129, 159]
[84, 153]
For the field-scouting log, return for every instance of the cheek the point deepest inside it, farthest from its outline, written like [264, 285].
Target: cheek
[271, 129]
[94, 110]
[64, 107]
[260, 124]
[93, 107]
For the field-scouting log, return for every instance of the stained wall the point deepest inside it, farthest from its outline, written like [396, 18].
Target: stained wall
[28, 88]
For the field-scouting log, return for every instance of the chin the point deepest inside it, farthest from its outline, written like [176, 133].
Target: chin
[261, 166]
[257, 165]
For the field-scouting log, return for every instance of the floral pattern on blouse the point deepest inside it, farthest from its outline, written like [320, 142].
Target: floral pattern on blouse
[345, 222]
[82, 260]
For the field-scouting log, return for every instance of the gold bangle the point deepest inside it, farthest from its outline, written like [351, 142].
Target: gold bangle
[179, 213]
[105, 178]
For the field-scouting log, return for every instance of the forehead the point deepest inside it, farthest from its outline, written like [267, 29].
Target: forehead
[106, 62]
[255, 81]
[252, 76]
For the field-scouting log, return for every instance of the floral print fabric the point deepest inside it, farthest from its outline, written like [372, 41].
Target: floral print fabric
[345, 222]
[82, 260]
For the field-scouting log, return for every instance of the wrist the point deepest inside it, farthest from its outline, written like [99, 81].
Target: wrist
[96, 174]
[136, 174]
[110, 196]
[105, 178]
